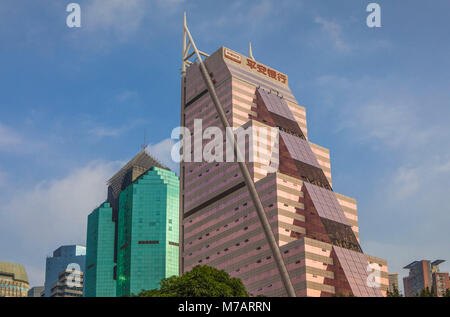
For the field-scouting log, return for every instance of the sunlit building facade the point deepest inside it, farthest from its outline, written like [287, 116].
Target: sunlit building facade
[99, 277]
[129, 173]
[393, 282]
[36, 291]
[133, 237]
[315, 227]
[69, 284]
[441, 283]
[148, 236]
[68, 257]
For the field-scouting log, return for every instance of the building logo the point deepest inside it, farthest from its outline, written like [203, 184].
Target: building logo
[233, 56]
[256, 67]
[264, 70]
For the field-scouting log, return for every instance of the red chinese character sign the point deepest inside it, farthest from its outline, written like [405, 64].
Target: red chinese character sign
[256, 67]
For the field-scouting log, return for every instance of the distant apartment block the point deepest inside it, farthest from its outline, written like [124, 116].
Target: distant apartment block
[69, 284]
[37, 291]
[63, 258]
[425, 274]
[440, 280]
[393, 282]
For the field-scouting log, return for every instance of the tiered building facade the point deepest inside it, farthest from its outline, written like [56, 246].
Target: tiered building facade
[315, 227]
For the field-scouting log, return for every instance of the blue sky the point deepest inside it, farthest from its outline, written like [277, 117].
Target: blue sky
[75, 103]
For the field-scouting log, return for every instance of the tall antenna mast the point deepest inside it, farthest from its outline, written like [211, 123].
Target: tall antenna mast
[278, 258]
[250, 53]
[187, 44]
[144, 146]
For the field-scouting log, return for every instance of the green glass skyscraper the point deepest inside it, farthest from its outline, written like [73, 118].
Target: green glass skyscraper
[148, 235]
[99, 275]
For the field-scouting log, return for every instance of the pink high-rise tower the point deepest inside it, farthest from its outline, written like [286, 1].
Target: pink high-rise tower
[315, 228]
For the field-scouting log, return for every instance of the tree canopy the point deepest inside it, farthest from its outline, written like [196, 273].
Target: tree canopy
[201, 281]
[447, 292]
[426, 292]
[395, 292]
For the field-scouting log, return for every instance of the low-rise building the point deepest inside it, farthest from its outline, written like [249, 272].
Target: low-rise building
[37, 291]
[69, 284]
[13, 280]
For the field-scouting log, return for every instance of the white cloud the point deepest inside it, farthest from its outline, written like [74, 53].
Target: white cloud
[127, 96]
[15, 142]
[101, 132]
[261, 9]
[3, 179]
[235, 16]
[119, 20]
[334, 31]
[121, 17]
[108, 23]
[9, 139]
[405, 183]
[170, 5]
[443, 167]
[417, 186]
[162, 152]
[384, 111]
[394, 124]
[52, 213]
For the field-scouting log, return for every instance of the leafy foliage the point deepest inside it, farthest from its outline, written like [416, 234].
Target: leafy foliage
[426, 292]
[201, 281]
[350, 294]
[395, 293]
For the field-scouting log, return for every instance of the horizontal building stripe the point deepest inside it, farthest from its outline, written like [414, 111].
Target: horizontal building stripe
[285, 225]
[291, 214]
[291, 202]
[285, 238]
[232, 216]
[217, 197]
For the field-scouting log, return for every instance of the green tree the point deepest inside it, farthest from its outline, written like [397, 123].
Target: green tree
[426, 292]
[350, 294]
[395, 292]
[201, 281]
[447, 292]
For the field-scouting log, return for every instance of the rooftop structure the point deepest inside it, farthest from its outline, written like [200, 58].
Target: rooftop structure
[13, 280]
